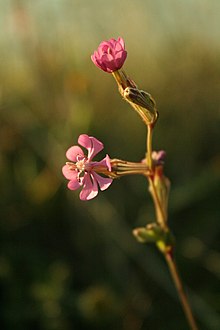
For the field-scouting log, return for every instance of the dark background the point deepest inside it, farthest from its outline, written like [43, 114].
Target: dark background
[67, 264]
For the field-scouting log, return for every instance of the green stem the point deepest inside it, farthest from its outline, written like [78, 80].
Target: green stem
[179, 287]
[161, 219]
[149, 146]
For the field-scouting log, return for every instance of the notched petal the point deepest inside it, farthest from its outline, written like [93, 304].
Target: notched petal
[93, 145]
[73, 152]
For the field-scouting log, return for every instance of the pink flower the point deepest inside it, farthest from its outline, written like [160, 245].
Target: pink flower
[82, 171]
[110, 55]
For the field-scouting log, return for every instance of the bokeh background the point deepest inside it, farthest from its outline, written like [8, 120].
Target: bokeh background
[67, 264]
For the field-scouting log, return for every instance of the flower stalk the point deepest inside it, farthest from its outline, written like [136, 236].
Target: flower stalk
[84, 172]
[149, 146]
[179, 287]
[160, 203]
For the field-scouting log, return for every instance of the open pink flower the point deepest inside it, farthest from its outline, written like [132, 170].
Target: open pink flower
[82, 171]
[110, 55]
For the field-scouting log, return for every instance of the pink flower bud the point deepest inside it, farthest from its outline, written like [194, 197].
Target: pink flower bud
[110, 55]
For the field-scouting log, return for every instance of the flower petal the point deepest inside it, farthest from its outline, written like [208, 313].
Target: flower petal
[93, 145]
[121, 41]
[96, 60]
[104, 183]
[70, 174]
[106, 162]
[74, 184]
[90, 188]
[73, 152]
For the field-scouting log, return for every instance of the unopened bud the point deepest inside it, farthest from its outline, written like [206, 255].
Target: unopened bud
[149, 234]
[143, 103]
[153, 233]
[140, 98]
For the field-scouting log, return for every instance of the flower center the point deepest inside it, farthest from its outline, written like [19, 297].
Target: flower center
[81, 166]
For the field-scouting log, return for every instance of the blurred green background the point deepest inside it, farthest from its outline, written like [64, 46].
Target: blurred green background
[67, 264]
